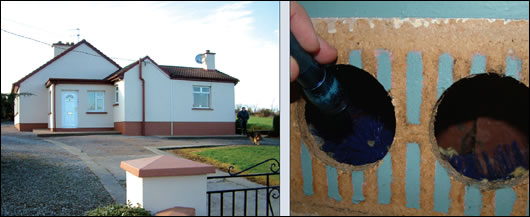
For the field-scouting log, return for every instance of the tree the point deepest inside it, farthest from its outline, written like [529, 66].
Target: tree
[8, 104]
[238, 107]
[252, 109]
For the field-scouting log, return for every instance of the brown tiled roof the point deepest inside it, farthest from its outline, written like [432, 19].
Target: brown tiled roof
[119, 73]
[16, 85]
[180, 73]
[189, 73]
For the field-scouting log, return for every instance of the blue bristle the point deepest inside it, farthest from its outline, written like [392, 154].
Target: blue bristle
[354, 149]
[470, 166]
[520, 160]
[490, 173]
[456, 162]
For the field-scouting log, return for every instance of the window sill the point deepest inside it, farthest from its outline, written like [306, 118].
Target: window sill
[96, 112]
[203, 109]
[115, 104]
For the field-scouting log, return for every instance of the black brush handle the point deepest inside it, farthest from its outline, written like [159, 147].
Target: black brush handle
[322, 89]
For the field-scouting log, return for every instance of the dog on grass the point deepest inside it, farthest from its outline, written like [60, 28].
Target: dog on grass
[254, 137]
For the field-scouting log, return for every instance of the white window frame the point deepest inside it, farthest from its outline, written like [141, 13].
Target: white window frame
[201, 91]
[96, 97]
[116, 94]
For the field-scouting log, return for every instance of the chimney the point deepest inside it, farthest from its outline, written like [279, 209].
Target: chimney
[59, 47]
[209, 60]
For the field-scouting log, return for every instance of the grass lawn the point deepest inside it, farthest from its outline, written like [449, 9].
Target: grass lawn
[259, 123]
[241, 157]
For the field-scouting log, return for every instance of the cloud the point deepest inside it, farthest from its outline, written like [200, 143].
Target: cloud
[234, 6]
[171, 33]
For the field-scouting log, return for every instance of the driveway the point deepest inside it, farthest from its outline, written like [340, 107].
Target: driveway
[41, 178]
[104, 153]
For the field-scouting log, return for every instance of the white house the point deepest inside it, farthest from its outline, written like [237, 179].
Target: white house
[84, 90]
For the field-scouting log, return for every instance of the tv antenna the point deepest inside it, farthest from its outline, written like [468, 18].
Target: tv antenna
[78, 33]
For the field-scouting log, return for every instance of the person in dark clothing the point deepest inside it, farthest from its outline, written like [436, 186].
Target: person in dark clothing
[243, 117]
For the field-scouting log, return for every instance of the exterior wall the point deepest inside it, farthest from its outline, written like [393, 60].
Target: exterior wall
[30, 126]
[133, 95]
[72, 65]
[179, 128]
[169, 101]
[87, 120]
[204, 128]
[221, 99]
[119, 110]
[157, 94]
[157, 128]
[129, 128]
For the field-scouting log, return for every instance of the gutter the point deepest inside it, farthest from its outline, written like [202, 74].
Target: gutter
[171, 104]
[143, 97]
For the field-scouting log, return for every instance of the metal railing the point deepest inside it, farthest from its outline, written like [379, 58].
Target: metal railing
[271, 191]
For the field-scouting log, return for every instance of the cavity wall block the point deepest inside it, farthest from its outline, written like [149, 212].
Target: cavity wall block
[462, 39]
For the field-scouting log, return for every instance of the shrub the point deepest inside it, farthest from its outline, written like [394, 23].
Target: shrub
[267, 112]
[276, 125]
[238, 126]
[119, 210]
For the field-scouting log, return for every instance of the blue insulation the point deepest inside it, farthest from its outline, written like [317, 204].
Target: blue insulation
[368, 142]
[507, 158]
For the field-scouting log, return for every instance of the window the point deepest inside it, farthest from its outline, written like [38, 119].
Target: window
[96, 101]
[201, 97]
[116, 94]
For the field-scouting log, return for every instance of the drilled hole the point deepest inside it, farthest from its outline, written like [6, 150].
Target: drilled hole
[481, 127]
[369, 131]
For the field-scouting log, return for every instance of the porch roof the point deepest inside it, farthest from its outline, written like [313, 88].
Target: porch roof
[76, 81]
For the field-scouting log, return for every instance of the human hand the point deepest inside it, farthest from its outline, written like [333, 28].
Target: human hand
[303, 31]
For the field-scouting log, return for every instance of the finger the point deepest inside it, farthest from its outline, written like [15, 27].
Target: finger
[294, 69]
[326, 54]
[302, 28]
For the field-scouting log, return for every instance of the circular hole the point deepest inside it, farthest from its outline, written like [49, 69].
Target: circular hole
[365, 133]
[481, 127]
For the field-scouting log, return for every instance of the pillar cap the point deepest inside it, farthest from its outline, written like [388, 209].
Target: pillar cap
[165, 165]
[177, 211]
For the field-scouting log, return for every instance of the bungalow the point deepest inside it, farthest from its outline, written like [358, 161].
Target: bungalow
[84, 90]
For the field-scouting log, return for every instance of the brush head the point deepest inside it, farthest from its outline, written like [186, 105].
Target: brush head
[328, 96]
[363, 131]
[320, 87]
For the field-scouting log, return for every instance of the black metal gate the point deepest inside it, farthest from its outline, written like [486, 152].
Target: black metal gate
[272, 192]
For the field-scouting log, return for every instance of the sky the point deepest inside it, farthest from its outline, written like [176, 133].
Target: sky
[244, 36]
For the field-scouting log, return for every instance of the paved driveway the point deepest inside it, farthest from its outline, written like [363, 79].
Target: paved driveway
[104, 153]
[41, 178]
